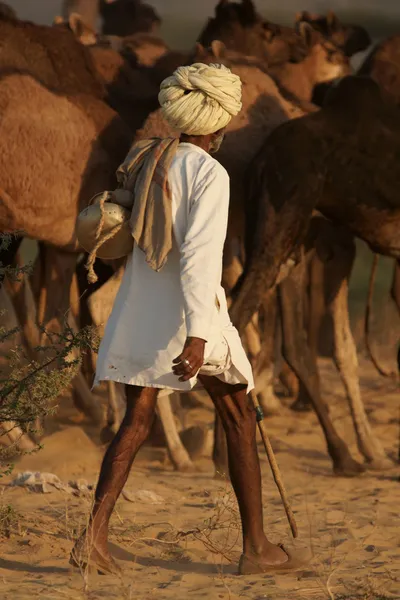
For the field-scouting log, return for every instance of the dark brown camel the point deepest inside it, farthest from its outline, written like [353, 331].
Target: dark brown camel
[124, 17]
[119, 17]
[340, 172]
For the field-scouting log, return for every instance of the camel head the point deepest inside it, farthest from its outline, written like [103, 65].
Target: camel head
[329, 62]
[349, 38]
[241, 28]
[125, 17]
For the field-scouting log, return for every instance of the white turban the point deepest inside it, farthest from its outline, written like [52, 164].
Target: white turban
[200, 99]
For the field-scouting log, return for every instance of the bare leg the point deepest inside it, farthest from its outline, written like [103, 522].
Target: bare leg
[239, 421]
[91, 547]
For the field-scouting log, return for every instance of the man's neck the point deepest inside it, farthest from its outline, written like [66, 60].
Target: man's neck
[202, 141]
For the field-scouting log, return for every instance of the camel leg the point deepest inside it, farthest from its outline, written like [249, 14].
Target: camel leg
[297, 354]
[347, 363]
[264, 370]
[315, 313]
[25, 309]
[177, 452]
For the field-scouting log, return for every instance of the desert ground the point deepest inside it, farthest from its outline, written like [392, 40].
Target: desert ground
[178, 534]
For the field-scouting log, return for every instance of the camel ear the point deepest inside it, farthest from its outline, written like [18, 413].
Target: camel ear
[218, 49]
[332, 21]
[58, 20]
[306, 31]
[83, 32]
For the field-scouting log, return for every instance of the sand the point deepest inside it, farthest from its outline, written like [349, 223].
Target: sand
[186, 545]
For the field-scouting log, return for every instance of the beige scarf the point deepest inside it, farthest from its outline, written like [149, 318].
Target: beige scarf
[144, 173]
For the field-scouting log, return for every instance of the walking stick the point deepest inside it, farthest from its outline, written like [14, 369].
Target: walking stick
[274, 465]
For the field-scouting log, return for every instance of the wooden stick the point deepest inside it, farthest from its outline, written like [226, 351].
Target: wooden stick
[274, 465]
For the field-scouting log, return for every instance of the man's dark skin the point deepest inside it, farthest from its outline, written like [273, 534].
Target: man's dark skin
[239, 421]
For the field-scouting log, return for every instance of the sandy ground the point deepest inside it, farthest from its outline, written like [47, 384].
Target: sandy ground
[187, 546]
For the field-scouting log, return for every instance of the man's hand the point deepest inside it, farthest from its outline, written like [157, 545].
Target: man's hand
[187, 364]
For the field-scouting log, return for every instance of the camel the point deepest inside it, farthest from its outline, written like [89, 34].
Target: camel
[351, 39]
[119, 17]
[242, 29]
[298, 59]
[124, 17]
[73, 122]
[323, 63]
[336, 176]
[97, 141]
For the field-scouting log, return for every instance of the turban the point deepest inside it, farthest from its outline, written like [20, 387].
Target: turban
[200, 99]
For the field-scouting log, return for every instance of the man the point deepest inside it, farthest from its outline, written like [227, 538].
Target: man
[169, 328]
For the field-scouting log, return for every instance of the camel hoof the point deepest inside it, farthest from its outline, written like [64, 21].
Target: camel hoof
[379, 464]
[348, 467]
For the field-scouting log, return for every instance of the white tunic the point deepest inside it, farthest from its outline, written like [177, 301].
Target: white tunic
[154, 313]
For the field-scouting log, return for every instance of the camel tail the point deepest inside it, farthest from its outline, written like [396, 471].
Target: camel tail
[367, 321]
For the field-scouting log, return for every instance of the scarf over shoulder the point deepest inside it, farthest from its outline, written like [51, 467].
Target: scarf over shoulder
[144, 172]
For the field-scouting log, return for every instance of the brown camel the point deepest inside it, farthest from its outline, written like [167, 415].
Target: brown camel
[78, 126]
[298, 59]
[241, 28]
[335, 174]
[77, 123]
[323, 63]
[349, 38]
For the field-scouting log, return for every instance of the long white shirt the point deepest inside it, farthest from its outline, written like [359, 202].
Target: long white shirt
[154, 313]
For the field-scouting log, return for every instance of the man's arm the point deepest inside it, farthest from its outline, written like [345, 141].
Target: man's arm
[201, 259]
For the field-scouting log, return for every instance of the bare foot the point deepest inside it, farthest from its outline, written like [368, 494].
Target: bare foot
[87, 553]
